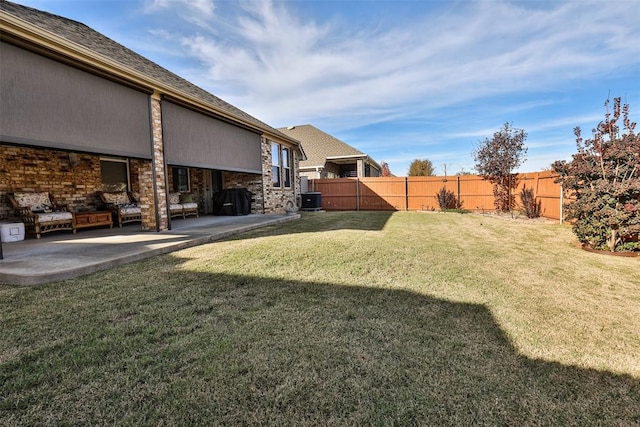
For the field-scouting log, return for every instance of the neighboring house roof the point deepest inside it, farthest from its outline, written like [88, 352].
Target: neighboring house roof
[321, 147]
[84, 37]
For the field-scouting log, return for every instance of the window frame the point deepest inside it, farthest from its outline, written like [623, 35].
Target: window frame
[276, 165]
[127, 172]
[286, 167]
[176, 184]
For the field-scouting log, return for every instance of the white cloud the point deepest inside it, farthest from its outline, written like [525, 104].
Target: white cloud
[270, 60]
[197, 12]
[283, 68]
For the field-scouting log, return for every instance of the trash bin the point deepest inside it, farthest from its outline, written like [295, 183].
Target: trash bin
[232, 201]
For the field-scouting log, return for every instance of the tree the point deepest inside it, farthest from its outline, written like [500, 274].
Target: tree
[421, 167]
[385, 171]
[496, 158]
[603, 179]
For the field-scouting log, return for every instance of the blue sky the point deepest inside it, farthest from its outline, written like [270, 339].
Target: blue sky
[398, 80]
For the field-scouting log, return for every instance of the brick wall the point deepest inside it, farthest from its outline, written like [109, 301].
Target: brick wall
[147, 196]
[196, 185]
[39, 169]
[277, 199]
[35, 169]
[250, 181]
[149, 221]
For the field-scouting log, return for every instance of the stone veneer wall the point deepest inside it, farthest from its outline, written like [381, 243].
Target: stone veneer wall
[277, 199]
[38, 169]
[196, 184]
[147, 197]
[250, 181]
[148, 205]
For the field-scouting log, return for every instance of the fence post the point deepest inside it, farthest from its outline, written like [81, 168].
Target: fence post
[458, 188]
[406, 193]
[561, 204]
[357, 194]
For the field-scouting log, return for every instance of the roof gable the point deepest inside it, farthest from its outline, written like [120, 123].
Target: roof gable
[318, 145]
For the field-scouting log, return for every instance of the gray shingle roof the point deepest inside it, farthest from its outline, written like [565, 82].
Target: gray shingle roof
[319, 145]
[98, 43]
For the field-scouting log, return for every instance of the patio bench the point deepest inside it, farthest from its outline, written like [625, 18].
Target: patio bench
[40, 212]
[182, 205]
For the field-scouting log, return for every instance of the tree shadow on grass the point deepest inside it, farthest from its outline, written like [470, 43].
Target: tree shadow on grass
[201, 348]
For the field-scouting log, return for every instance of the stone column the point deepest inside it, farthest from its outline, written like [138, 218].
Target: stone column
[154, 214]
[147, 198]
[360, 166]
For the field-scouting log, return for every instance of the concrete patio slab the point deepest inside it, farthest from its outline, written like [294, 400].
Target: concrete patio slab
[63, 255]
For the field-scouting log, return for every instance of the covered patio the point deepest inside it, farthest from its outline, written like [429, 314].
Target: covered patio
[60, 256]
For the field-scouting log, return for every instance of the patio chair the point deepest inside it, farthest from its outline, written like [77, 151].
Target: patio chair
[40, 212]
[123, 206]
[182, 205]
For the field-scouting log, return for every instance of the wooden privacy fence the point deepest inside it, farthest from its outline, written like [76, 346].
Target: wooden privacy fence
[419, 192]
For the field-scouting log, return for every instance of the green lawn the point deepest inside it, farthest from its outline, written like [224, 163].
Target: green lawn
[336, 319]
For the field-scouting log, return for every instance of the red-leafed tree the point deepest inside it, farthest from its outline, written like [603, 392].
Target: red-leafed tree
[385, 169]
[496, 158]
[604, 179]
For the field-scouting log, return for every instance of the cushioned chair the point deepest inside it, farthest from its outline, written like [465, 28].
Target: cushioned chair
[182, 205]
[123, 205]
[40, 213]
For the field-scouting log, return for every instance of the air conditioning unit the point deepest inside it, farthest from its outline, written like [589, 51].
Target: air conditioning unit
[311, 201]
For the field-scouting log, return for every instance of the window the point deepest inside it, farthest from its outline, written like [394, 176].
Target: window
[115, 174]
[275, 165]
[181, 179]
[286, 168]
[280, 165]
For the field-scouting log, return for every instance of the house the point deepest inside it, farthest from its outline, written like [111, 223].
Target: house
[80, 113]
[328, 157]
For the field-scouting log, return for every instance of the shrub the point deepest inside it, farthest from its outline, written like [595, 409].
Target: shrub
[604, 179]
[447, 199]
[531, 207]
